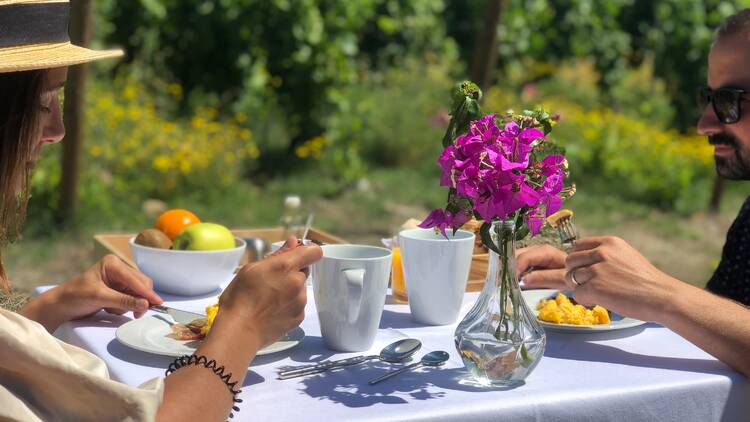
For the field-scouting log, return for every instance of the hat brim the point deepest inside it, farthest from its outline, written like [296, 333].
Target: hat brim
[48, 56]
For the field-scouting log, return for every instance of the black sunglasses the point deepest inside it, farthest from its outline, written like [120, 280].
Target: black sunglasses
[725, 101]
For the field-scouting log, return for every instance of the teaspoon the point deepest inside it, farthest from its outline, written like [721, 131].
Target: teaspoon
[435, 358]
[397, 351]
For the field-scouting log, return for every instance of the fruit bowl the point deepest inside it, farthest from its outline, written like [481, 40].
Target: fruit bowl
[187, 273]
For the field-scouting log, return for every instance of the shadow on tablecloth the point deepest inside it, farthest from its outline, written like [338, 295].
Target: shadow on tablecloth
[137, 357]
[348, 386]
[579, 347]
[396, 320]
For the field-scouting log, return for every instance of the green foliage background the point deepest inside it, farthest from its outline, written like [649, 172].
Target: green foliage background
[339, 89]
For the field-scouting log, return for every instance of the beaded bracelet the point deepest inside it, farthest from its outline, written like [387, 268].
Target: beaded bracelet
[209, 364]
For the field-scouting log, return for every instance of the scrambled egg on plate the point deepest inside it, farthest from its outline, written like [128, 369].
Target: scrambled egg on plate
[210, 315]
[562, 311]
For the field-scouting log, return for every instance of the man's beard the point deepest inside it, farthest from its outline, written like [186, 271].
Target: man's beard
[734, 167]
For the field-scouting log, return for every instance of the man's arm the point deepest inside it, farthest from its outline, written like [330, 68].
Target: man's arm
[609, 272]
[717, 325]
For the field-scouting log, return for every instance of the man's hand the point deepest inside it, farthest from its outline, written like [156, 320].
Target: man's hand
[608, 271]
[110, 284]
[541, 267]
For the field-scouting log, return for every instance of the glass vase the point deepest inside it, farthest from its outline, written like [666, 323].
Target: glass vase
[500, 340]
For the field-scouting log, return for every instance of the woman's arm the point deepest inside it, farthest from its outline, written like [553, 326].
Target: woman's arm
[263, 302]
[110, 284]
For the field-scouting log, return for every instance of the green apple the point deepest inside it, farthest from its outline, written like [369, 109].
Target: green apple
[204, 237]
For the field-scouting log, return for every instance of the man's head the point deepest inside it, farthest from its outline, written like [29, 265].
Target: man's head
[729, 67]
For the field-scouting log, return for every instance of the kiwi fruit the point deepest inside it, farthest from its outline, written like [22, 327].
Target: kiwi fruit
[153, 238]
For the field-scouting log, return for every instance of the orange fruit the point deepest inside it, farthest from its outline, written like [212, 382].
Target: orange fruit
[172, 222]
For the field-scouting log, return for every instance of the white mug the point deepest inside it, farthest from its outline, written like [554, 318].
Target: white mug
[436, 270]
[349, 285]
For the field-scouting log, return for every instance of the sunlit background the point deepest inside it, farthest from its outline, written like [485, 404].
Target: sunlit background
[224, 107]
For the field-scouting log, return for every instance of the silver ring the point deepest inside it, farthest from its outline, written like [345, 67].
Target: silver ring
[573, 277]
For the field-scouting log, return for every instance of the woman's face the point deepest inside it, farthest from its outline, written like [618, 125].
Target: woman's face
[51, 123]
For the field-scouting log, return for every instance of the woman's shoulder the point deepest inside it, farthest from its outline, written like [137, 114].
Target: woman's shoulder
[12, 323]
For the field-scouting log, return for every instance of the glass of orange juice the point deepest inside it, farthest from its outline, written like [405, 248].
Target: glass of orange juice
[398, 286]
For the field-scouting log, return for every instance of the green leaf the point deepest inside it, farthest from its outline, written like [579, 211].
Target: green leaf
[522, 233]
[484, 232]
[547, 127]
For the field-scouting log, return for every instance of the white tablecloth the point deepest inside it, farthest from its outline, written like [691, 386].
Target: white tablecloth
[640, 374]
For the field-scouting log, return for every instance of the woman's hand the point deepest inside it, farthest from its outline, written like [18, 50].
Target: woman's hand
[541, 267]
[265, 300]
[269, 296]
[110, 284]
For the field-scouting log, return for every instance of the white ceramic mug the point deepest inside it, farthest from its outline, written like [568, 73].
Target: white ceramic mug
[350, 284]
[436, 270]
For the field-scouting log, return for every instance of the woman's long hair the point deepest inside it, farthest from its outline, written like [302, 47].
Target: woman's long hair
[20, 110]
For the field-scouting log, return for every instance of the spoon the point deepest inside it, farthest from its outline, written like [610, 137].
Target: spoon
[435, 358]
[397, 351]
[256, 248]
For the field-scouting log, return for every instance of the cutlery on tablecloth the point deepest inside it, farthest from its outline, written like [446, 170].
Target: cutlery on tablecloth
[397, 351]
[178, 315]
[435, 358]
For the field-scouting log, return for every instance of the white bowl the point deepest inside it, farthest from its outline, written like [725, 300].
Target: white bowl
[187, 273]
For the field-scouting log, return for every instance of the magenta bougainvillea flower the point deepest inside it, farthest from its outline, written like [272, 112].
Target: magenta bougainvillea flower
[443, 220]
[495, 169]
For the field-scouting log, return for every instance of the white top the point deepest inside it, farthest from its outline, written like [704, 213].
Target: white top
[44, 379]
[638, 374]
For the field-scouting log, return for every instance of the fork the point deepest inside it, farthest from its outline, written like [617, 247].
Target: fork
[561, 220]
[567, 231]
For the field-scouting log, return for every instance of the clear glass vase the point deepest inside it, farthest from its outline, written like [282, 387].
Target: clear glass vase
[500, 340]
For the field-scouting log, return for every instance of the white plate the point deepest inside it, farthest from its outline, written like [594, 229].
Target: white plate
[619, 322]
[149, 334]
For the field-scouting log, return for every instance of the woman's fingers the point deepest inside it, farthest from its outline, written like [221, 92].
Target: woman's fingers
[118, 303]
[121, 277]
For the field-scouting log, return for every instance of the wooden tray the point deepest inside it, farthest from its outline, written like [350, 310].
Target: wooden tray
[478, 272]
[117, 243]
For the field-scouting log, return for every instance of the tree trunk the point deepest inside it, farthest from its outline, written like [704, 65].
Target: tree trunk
[716, 194]
[75, 93]
[485, 48]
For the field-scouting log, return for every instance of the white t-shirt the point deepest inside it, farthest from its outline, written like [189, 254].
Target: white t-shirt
[45, 379]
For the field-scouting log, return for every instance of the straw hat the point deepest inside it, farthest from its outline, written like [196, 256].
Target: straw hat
[34, 35]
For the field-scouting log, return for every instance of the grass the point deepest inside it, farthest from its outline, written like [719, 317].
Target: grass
[686, 246]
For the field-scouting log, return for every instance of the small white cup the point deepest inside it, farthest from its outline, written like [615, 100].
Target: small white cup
[436, 270]
[350, 285]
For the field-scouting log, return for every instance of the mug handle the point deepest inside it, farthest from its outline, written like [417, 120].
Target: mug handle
[354, 281]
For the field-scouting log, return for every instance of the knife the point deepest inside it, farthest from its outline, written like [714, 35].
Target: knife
[321, 367]
[178, 315]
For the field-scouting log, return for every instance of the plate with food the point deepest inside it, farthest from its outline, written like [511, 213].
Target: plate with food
[557, 311]
[163, 334]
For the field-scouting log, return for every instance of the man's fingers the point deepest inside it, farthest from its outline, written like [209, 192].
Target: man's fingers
[584, 258]
[539, 257]
[586, 243]
[120, 276]
[549, 279]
